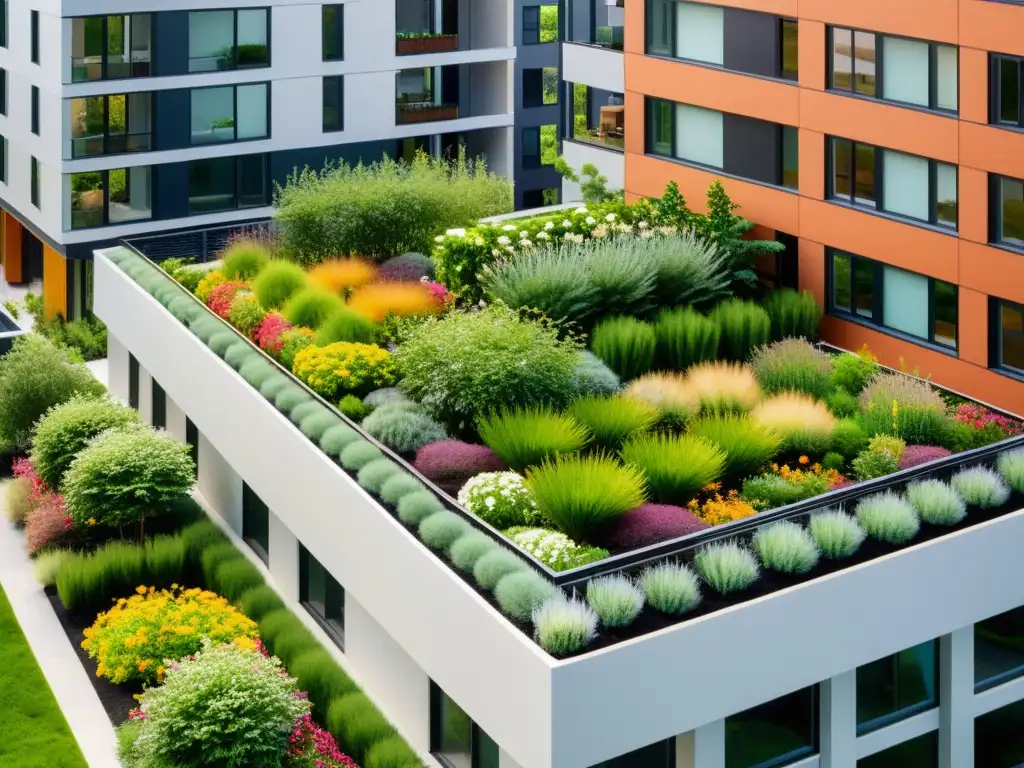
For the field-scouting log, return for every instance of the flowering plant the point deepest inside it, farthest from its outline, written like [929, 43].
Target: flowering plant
[310, 746]
[344, 367]
[554, 549]
[268, 334]
[500, 498]
[718, 509]
[978, 416]
[47, 523]
[293, 341]
[132, 639]
[245, 312]
[378, 300]
[222, 296]
[23, 468]
[782, 485]
[209, 281]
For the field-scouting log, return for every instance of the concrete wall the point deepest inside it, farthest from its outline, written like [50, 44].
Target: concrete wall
[609, 162]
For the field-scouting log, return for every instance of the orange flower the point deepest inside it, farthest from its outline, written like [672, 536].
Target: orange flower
[804, 460]
[341, 274]
[375, 302]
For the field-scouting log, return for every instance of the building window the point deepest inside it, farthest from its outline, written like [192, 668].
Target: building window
[133, 381]
[700, 33]
[35, 110]
[110, 47]
[660, 26]
[230, 113]
[3, 92]
[897, 687]
[332, 24]
[659, 755]
[192, 438]
[3, 23]
[895, 69]
[790, 157]
[599, 117]
[922, 751]
[999, 739]
[538, 198]
[603, 23]
[792, 722]
[102, 125]
[1007, 196]
[540, 146]
[3, 159]
[887, 297]
[232, 39]
[454, 738]
[226, 183]
[334, 103]
[255, 522]
[906, 185]
[661, 119]
[999, 641]
[116, 196]
[789, 49]
[540, 87]
[34, 182]
[322, 595]
[35, 37]
[540, 24]
[1007, 97]
[159, 398]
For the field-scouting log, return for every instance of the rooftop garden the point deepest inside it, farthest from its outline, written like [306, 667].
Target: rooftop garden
[593, 415]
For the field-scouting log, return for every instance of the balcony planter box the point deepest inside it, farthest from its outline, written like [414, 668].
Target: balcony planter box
[427, 113]
[434, 44]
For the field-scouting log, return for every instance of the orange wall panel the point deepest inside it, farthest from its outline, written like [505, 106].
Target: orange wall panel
[972, 199]
[636, 119]
[932, 20]
[12, 249]
[778, 7]
[811, 269]
[993, 149]
[811, 54]
[991, 26]
[973, 98]
[812, 164]
[992, 271]
[972, 327]
[55, 283]
[634, 33]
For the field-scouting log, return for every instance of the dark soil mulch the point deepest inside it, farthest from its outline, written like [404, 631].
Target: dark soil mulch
[116, 699]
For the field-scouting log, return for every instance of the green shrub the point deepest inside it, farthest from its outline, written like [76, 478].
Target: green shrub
[391, 753]
[243, 259]
[593, 377]
[222, 341]
[204, 326]
[525, 437]
[688, 269]
[357, 724]
[236, 577]
[611, 420]
[413, 508]
[671, 588]
[837, 534]
[334, 440]
[402, 430]
[256, 371]
[793, 365]
[182, 308]
[17, 500]
[833, 460]
[519, 594]
[493, 566]
[164, 560]
[293, 341]
[915, 424]
[616, 600]
[198, 537]
[871, 464]
[793, 314]
[245, 313]
[744, 327]
[384, 208]
[936, 502]
[66, 429]
[290, 396]
[273, 386]
[304, 410]
[286, 636]
[373, 474]
[501, 499]
[385, 396]
[398, 486]
[583, 495]
[852, 372]
[747, 445]
[785, 547]
[1010, 466]
[888, 444]
[310, 307]
[214, 556]
[848, 439]
[887, 516]
[259, 601]
[981, 487]
[842, 403]
[441, 529]
[316, 424]
[358, 454]
[726, 567]
[238, 354]
[473, 363]
[626, 345]
[278, 282]
[685, 337]
[35, 376]
[563, 625]
[125, 476]
[470, 547]
[354, 408]
[47, 565]
[319, 675]
[345, 324]
[675, 466]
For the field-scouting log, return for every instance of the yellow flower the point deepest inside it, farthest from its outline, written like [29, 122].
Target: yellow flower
[141, 590]
[804, 460]
[91, 521]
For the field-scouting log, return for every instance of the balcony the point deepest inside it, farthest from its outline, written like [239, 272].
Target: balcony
[117, 196]
[598, 117]
[600, 23]
[110, 47]
[420, 95]
[426, 26]
[108, 125]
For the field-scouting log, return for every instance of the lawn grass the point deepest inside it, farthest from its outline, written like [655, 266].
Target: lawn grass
[33, 731]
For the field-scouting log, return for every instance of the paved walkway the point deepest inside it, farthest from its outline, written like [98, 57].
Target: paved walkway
[68, 680]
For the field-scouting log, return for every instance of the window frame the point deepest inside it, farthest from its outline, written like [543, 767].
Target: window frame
[529, 10]
[124, 138]
[34, 52]
[268, 13]
[255, 532]
[333, 627]
[651, 22]
[104, 68]
[133, 381]
[4, 22]
[339, 11]
[879, 184]
[933, 70]
[436, 725]
[528, 160]
[192, 440]
[234, 100]
[3, 92]
[877, 723]
[34, 182]
[996, 217]
[877, 319]
[588, 108]
[796, 755]
[35, 128]
[337, 83]
[996, 90]
[236, 197]
[158, 416]
[795, 77]
[3, 159]
[105, 176]
[996, 334]
[527, 82]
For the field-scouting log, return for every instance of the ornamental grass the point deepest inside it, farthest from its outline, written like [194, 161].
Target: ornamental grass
[342, 275]
[378, 300]
[723, 387]
[805, 425]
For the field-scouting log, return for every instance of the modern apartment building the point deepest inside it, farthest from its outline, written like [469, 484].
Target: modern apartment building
[125, 118]
[881, 141]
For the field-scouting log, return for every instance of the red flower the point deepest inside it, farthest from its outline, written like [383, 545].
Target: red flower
[268, 333]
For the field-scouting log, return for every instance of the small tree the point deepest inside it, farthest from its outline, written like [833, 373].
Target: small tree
[593, 185]
[723, 227]
[127, 475]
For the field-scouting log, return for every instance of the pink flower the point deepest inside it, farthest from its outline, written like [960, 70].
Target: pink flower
[268, 333]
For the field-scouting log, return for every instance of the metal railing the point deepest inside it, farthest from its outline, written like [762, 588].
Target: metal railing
[200, 244]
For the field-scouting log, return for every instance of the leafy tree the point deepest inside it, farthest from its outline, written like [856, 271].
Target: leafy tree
[726, 229]
[593, 185]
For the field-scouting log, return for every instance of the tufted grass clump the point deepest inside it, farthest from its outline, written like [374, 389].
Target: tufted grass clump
[675, 466]
[747, 445]
[441, 529]
[277, 282]
[805, 424]
[524, 437]
[398, 486]
[671, 588]
[888, 517]
[723, 387]
[837, 534]
[793, 314]
[358, 454]
[493, 566]
[937, 502]
[413, 508]
[616, 599]
[726, 567]
[611, 420]
[745, 325]
[1010, 466]
[520, 594]
[786, 547]
[564, 625]
[685, 337]
[793, 365]
[310, 307]
[626, 345]
[345, 324]
[243, 259]
[374, 474]
[981, 487]
[670, 394]
[469, 548]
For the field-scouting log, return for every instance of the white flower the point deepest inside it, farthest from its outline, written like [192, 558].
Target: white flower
[642, 225]
[526, 244]
[549, 225]
[523, 234]
[510, 249]
[543, 236]
[610, 217]
[479, 241]
[646, 233]
[489, 502]
[566, 223]
[509, 228]
[482, 303]
[495, 252]
[590, 220]
[581, 209]
[503, 240]
[456, 232]
[600, 231]
[439, 239]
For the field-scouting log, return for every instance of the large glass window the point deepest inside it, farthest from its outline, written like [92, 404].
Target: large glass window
[225, 183]
[35, 36]
[540, 87]
[322, 595]
[230, 113]
[897, 686]
[334, 103]
[700, 33]
[699, 135]
[117, 196]
[332, 24]
[999, 738]
[599, 117]
[1009, 331]
[159, 400]
[455, 738]
[109, 47]
[659, 30]
[658, 755]
[540, 24]
[790, 157]
[111, 124]
[999, 648]
[922, 752]
[255, 522]
[661, 131]
[228, 39]
[1008, 90]
[774, 733]
[790, 48]
[1008, 202]
[33, 172]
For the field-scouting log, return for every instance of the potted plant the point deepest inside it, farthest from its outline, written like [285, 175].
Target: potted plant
[425, 42]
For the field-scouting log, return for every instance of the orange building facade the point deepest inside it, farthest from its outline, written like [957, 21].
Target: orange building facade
[900, 153]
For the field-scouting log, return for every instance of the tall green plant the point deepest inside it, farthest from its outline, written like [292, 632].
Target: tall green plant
[685, 337]
[793, 314]
[744, 325]
[725, 229]
[626, 345]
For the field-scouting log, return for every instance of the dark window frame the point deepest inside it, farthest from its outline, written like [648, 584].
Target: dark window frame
[532, 75]
[3, 92]
[531, 34]
[933, 70]
[4, 22]
[477, 735]
[996, 332]
[237, 181]
[588, 110]
[158, 405]
[996, 90]
[1012, 673]
[105, 176]
[124, 139]
[879, 184]
[339, 33]
[133, 381]
[528, 161]
[35, 37]
[996, 218]
[234, 126]
[104, 69]
[783, 72]
[652, 21]
[877, 319]
[192, 440]
[803, 752]
[35, 110]
[255, 523]
[3, 159]
[234, 66]
[877, 723]
[336, 83]
[332, 626]
[34, 182]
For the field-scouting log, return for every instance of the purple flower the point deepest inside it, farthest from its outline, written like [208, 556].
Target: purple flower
[913, 455]
[651, 523]
[450, 463]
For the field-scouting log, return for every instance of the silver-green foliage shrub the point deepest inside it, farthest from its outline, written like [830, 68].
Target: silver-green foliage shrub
[785, 547]
[316, 424]
[592, 377]
[414, 507]
[385, 396]
[563, 625]
[936, 502]
[726, 567]
[238, 354]
[490, 568]
[334, 440]
[397, 486]
[291, 396]
[470, 547]
[375, 473]
[358, 454]
[671, 588]
[272, 387]
[256, 371]
[616, 600]
[981, 487]
[441, 529]
[65, 430]
[887, 516]
[221, 341]
[401, 429]
[303, 410]
[837, 534]
[519, 594]
[1010, 466]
